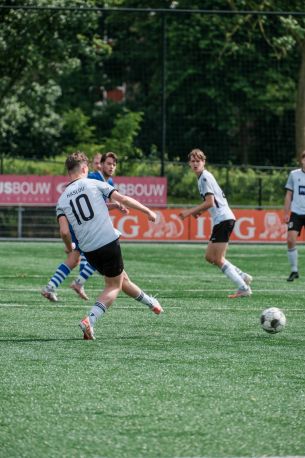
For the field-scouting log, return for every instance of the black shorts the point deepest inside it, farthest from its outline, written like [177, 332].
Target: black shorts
[107, 260]
[296, 222]
[222, 231]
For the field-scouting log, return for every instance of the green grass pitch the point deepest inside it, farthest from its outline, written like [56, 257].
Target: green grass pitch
[201, 380]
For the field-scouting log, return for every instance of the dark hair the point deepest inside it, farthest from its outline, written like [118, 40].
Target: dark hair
[109, 154]
[74, 161]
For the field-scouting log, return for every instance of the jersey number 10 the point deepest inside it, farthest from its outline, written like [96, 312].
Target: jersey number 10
[82, 203]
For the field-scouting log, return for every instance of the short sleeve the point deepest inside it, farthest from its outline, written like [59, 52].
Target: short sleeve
[59, 211]
[105, 188]
[205, 186]
[289, 184]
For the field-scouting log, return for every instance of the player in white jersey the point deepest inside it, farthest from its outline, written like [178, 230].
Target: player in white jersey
[104, 170]
[83, 206]
[223, 221]
[108, 165]
[294, 214]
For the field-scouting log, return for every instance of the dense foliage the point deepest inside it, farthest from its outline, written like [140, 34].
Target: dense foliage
[230, 84]
[242, 185]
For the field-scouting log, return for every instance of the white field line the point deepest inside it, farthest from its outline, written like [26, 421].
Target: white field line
[167, 310]
[184, 290]
[197, 276]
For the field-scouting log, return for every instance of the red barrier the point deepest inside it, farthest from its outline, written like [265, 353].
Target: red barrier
[45, 190]
[251, 226]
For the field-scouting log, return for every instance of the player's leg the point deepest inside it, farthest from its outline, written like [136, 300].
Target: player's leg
[133, 290]
[85, 272]
[113, 286]
[85, 269]
[292, 254]
[216, 254]
[61, 273]
[222, 235]
[108, 261]
[244, 275]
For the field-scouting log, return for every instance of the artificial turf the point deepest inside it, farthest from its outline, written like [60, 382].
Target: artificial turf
[201, 380]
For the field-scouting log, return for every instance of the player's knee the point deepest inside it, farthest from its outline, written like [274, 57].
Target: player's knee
[291, 242]
[210, 258]
[125, 278]
[72, 262]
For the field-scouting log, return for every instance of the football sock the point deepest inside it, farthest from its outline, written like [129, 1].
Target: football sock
[83, 261]
[144, 298]
[230, 271]
[96, 312]
[59, 276]
[293, 259]
[85, 271]
[239, 271]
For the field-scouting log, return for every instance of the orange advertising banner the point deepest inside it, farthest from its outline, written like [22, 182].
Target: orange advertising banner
[263, 226]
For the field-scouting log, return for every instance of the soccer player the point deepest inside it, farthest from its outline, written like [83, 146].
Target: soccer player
[108, 162]
[105, 171]
[83, 206]
[96, 162]
[294, 214]
[223, 221]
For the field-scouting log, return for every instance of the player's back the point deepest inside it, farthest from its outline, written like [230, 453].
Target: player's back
[83, 204]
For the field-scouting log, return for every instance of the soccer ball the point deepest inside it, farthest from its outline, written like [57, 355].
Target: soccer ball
[273, 320]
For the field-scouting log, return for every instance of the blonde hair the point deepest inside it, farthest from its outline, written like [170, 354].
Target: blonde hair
[197, 154]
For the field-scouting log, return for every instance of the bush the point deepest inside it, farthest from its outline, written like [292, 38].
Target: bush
[242, 186]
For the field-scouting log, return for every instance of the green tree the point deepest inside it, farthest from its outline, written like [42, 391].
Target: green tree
[229, 88]
[38, 50]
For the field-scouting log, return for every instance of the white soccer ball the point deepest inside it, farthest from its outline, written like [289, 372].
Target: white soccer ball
[273, 320]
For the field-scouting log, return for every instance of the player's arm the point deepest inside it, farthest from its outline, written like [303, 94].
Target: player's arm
[65, 233]
[287, 205]
[196, 211]
[117, 206]
[129, 202]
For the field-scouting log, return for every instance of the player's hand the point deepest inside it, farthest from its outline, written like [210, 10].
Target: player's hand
[286, 218]
[196, 215]
[122, 209]
[184, 214]
[70, 249]
[152, 216]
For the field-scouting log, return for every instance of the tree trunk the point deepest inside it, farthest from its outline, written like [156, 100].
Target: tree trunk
[300, 107]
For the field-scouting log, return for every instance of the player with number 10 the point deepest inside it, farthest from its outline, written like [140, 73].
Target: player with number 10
[82, 205]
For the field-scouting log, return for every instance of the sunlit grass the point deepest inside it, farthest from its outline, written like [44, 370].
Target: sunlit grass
[203, 379]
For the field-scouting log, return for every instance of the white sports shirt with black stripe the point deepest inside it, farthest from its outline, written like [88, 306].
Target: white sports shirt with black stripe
[84, 206]
[208, 185]
[296, 184]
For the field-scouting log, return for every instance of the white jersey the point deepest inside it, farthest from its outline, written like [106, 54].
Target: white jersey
[296, 184]
[208, 185]
[84, 206]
